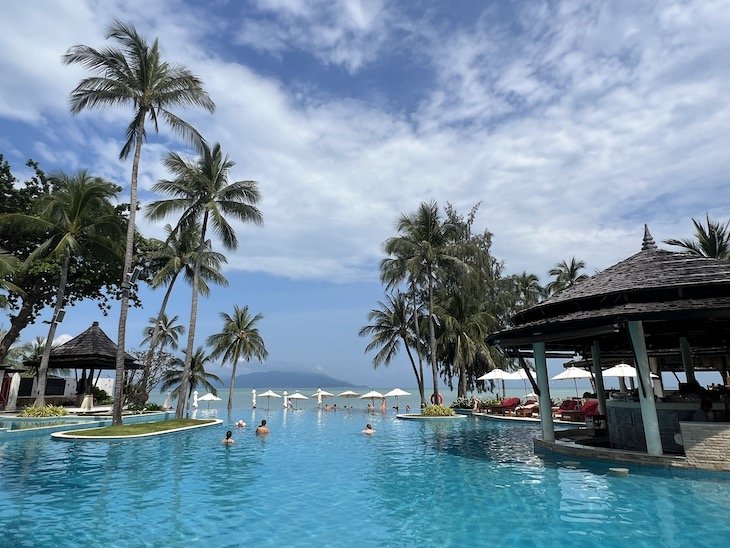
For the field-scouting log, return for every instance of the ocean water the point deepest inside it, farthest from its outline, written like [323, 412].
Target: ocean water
[316, 480]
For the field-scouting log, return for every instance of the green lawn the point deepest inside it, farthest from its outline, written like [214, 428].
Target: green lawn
[140, 428]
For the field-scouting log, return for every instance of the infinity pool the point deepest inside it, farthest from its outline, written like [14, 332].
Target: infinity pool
[317, 481]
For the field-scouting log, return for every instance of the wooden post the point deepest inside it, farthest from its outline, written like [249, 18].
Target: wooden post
[546, 412]
[689, 369]
[646, 390]
[598, 375]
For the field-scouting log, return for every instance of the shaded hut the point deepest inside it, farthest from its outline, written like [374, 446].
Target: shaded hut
[90, 352]
[661, 310]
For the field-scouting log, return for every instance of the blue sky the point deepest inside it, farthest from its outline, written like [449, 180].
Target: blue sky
[572, 123]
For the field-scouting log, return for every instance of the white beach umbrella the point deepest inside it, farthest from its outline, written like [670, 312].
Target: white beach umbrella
[497, 374]
[573, 373]
[268, 395]
[253, 398]
[209, 398]
[348, 394]
[623, 370]
[319, 394]
[371, 396]
[521, 375]
[297, 396]
[396, 392]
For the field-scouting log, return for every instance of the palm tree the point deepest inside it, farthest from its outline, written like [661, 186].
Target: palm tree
[168, 332]
[174, 256]
[424, 245]
[77, 217]
[134, 74]
[464, 329]
[198, 376]
[566, 275]
[8, 266]
[713, 241]
[202, 193]
[389, 327]
[240, 339]
[528, 289]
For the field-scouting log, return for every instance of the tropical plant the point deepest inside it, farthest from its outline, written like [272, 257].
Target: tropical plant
[36, 280]
[390, 326]
[76, 217]
[566, 275]
[43, 411]
[528, 290]
[170, 258]
[198, 376]
[239, 339]
[202, 193]
[437, 411]
[424, 245]
[134, 74]
[710, 241]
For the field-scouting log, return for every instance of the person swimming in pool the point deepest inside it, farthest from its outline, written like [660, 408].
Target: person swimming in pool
[228, 440]
[262, 428]
[368, 430]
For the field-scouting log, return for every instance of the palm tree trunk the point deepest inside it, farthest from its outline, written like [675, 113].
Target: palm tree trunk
[40, 398]
[124, 305]
[156, 336]
[230, 389]
[17, 324]
[182, 402]
[462, 379]
[419, 354]
[419, 378]
[432, 336]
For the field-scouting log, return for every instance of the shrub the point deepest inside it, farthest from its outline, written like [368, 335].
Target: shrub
[101, 397]
[43, 411]
[437, 411]
[153, 407]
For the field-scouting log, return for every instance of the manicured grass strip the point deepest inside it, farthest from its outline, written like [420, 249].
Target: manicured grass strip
[140, 428]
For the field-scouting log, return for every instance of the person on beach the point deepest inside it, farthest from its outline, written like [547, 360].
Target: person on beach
[368, 430]
[228, 440]
[262, 428]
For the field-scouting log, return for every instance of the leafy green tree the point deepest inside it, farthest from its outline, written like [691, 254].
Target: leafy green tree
[134, 74]
[175, 378]
[202, 193]
[390, 326]
[712, 240]
[170, 258]
[424, 243]
[35, 281]
[75, 218]
[239, 339]
[566, 275]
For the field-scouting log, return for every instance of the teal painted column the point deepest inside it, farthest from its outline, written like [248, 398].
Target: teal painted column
[689, 369]
[598, 377]
[546, 403]
[648, 407]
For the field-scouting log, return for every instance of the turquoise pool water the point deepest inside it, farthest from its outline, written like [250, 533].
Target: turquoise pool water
[317, 481]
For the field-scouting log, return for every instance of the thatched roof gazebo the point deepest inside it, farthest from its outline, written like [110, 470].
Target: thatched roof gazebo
[660, 309]
[92, 351]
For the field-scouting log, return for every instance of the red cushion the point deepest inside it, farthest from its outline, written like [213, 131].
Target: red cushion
[590, 408]
[510, 402]
[568, 405]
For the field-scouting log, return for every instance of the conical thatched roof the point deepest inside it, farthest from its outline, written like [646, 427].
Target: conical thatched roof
[90, 349]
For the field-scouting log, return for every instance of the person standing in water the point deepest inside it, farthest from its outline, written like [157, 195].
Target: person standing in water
[228, 440]
[262, 428]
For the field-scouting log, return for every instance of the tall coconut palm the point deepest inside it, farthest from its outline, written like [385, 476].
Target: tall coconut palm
[202, 192]
[168, 331]
[390, 326]
[711, 241]
[134, 74]
[174, 256]
[239, 339]
[424, 244]
[566, 275]
[76, 218]
[464, 329]
[174, 378]
[528, 289]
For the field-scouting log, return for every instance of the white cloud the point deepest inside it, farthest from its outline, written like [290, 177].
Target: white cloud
[572, 134]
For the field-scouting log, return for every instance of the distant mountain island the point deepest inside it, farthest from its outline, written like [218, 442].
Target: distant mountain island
[288, 379]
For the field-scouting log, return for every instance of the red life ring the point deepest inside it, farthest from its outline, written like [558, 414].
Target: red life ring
[433, 399]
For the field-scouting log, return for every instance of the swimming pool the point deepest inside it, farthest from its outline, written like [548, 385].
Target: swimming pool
[316, 480]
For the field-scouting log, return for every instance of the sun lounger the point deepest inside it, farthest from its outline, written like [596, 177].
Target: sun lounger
[504, 407]
[589, 408]
[527, 410]
[565, 405]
